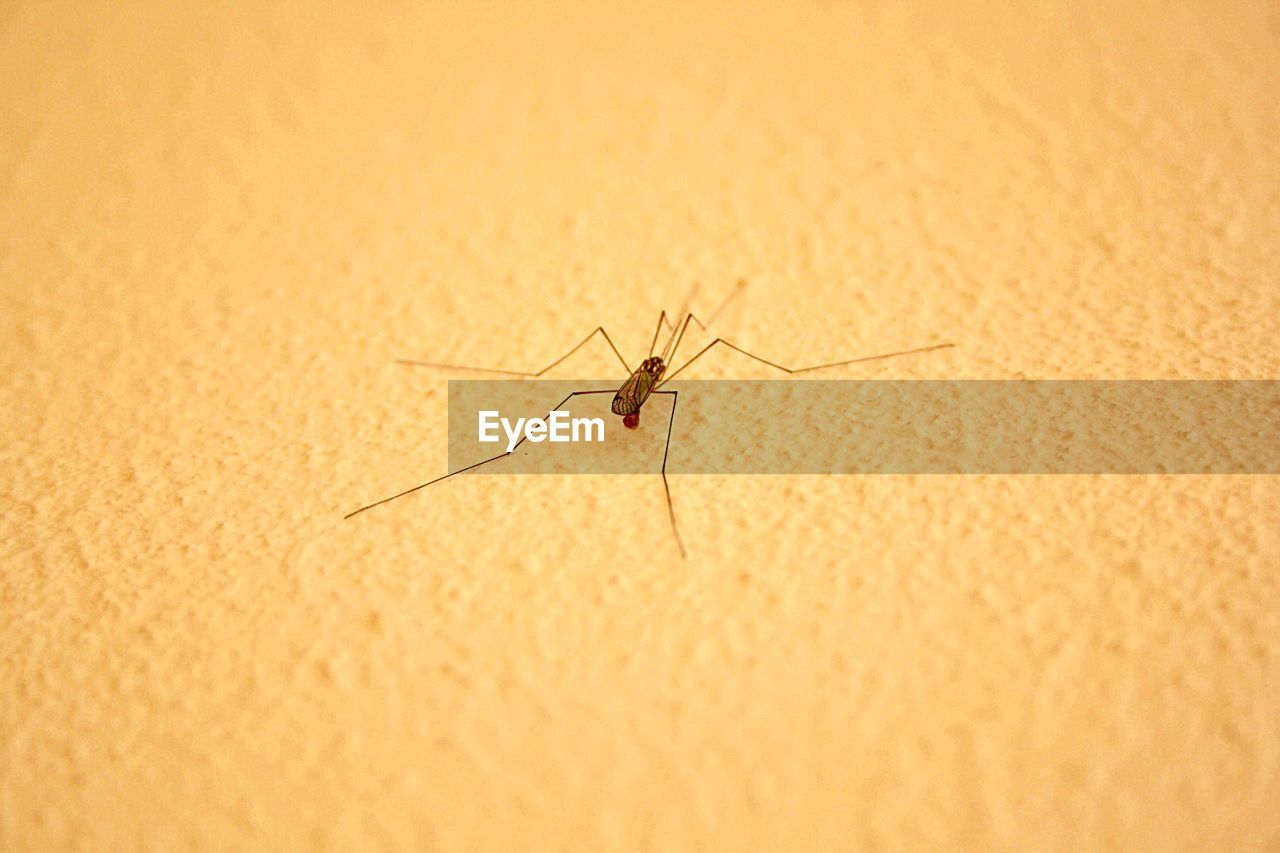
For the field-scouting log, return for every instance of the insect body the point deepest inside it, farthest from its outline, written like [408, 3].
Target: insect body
[642, 383]
[636, 390]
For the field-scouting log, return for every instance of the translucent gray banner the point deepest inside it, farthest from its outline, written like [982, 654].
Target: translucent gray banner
[876, 427]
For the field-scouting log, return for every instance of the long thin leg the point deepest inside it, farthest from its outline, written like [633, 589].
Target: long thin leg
[663, 321]
[799, 369]
[478, 464]
[581, 344]
[675, 329]
[671, 508]
[676, 340]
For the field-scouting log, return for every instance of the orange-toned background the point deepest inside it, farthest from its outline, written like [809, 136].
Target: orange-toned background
[219, 226]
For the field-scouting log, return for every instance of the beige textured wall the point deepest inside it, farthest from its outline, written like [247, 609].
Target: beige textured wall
[219, 226]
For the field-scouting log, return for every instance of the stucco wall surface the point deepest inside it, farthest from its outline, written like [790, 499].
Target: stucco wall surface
[222, 223]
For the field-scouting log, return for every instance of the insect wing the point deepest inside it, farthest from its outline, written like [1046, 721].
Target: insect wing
[633, 393]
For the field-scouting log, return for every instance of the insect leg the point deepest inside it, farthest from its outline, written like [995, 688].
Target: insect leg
[598, 330]
[798, 369]
[476, 465]
[671, 509]
[674, 344]
[663, 321]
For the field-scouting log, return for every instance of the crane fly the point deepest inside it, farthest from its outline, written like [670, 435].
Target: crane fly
[643, 382]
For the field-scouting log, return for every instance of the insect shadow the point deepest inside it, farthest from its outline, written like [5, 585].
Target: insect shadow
[643, 382]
